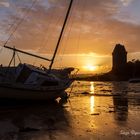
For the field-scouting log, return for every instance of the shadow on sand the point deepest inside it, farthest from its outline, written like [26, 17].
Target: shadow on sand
[26, 120]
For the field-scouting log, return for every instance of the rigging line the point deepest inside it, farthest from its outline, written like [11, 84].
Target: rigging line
[20, 21]
[62, 39]
[47, 39]
[52, 15]
[79, 36]
[61, 34]
[68, 36]
[60, 19]
[70, 27]
[14, 22]
[18, 57]
[12, 59]
[60, 56]
[1, 49]
[51, 32]
[48, 26]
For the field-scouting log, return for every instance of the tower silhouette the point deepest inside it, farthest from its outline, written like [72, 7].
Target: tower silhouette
[119, 59]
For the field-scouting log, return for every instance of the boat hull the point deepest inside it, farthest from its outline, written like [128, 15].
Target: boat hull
[25, 94]
[31, 83]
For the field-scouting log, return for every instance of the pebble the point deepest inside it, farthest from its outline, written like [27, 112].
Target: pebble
[95, 114]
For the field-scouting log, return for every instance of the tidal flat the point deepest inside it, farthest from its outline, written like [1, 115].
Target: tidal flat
[94, 111]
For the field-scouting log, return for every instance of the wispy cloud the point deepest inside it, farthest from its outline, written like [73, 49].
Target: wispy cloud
[126, 2]
[92, 27]
[4, 4]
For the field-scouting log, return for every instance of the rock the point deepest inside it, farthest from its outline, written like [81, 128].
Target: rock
[111, 107]
[85, 93]
[111, 111]
[28, 129]
[88, 130]
[95, 113]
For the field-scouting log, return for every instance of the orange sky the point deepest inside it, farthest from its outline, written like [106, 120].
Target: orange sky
[93, 29]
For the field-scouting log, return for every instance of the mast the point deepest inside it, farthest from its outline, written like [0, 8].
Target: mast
[58, 42]
[61, 33]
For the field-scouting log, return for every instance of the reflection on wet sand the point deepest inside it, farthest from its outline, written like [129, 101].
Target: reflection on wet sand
[120, 102]
[121, 108]
[91, 87]
[92, 101]
[83, 117]
[92, 104]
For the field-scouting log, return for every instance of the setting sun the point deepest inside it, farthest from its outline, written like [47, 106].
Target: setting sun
[90, 67]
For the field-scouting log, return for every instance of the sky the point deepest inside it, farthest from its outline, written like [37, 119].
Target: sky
[93, 29]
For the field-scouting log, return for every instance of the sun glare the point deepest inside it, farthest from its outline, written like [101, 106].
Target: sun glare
[90, 67]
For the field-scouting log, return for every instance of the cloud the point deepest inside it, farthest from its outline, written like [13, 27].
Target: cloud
[4, 4]
[126, 2]
[91, 28]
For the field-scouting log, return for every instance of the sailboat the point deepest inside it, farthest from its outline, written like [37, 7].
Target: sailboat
[26, 81]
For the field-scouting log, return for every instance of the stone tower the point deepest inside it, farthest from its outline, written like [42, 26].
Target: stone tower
[119, 59]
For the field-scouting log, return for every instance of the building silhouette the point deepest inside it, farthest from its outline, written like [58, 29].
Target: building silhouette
[121, 69]
[119, 57]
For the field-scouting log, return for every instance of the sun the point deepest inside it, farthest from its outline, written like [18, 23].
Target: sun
[90, 67]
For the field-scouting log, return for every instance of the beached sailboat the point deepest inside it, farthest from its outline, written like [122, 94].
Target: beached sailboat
[26, 81]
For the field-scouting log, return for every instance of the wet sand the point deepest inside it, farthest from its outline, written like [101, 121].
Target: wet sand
[82, 117]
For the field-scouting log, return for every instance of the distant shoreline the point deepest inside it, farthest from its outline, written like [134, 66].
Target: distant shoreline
[110, 76]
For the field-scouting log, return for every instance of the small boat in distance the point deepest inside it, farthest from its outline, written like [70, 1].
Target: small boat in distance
[134, 80]
[26, 81]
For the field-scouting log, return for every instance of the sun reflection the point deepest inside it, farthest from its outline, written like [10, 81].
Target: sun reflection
[91, 87]
[92, 100]
[92, 104]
